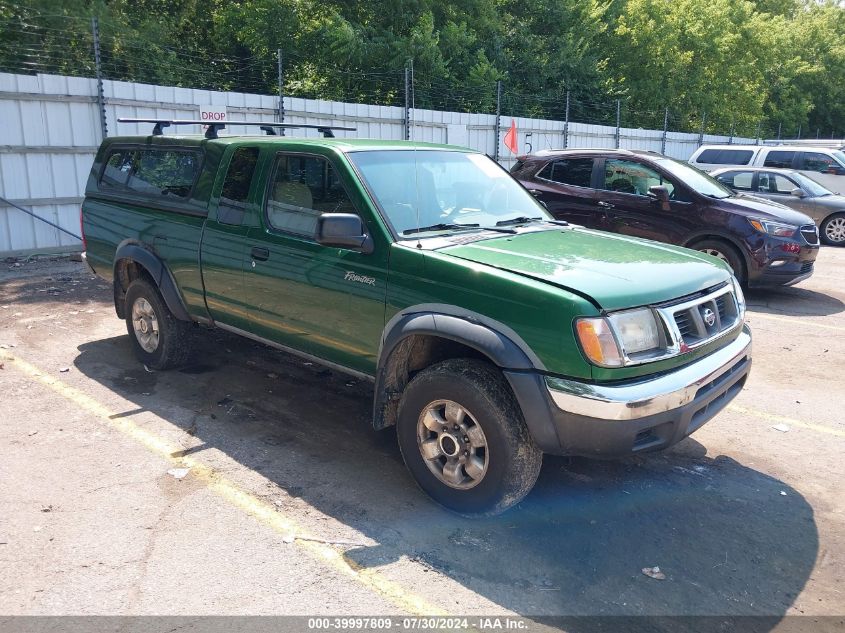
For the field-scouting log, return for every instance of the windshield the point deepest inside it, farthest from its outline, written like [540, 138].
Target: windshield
[840, 156]
[443, 190]
[695, 179]
[810, 186]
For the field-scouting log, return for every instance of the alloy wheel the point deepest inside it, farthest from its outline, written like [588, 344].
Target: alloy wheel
[145, 324]
[452, 444]
[835, 230]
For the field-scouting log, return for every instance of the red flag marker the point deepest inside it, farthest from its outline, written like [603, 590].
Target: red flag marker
[510, 138]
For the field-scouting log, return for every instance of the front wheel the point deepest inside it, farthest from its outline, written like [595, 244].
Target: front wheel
[725, 252]
[159, 339]
[832, 230]
[464, 439]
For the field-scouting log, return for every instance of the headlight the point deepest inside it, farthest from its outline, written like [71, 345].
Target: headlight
[740, 298]
[777, 229]
[608, 341]
[598, 343]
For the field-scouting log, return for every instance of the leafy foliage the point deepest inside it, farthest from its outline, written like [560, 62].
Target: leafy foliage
[743, 62]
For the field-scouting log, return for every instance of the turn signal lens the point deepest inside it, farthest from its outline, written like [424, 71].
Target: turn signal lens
[598, 343]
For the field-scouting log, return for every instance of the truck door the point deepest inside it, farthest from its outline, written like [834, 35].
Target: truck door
[325, 301]
[234, 208]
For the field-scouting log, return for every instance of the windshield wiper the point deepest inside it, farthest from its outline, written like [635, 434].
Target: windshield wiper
[519, 220]
[441, 226]
[524, 220]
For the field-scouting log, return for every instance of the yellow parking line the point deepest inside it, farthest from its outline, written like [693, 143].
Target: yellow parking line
[238, 497]
[773, 317]
[771, 417]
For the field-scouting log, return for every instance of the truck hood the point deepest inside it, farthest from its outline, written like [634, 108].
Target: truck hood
[615, 271]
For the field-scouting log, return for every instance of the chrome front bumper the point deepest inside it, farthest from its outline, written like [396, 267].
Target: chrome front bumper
[635, 400]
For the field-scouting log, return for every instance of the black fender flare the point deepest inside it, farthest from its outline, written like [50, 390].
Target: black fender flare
[496, 341]
[157, 270]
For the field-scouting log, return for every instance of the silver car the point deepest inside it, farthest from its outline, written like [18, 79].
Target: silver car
[792, 189]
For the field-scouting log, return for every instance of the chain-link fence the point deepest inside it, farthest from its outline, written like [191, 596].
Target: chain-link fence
[66, 45]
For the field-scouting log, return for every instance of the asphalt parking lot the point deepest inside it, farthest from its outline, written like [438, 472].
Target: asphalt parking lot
[292, 504]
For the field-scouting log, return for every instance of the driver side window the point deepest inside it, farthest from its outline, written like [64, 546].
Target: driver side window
[776, 183]
[303, 188]
[624, 176]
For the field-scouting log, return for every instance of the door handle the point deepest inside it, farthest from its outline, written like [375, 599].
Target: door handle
[261, 254]
[606, 205]
[535, 192]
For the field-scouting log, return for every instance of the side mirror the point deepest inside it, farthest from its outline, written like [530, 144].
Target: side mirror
[345, 230]
[798, 192]
[660, 194]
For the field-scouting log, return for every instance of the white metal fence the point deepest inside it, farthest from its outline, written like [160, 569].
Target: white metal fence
[50, 130]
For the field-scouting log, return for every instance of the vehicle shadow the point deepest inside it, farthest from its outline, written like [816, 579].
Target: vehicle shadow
[730, 539]
[793, 301]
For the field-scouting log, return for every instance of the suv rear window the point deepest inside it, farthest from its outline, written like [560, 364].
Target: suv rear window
[166, 174]
[569, 171]
[725, 156]
[779, 159]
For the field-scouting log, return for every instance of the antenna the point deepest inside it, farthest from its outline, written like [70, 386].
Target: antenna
[414, 150]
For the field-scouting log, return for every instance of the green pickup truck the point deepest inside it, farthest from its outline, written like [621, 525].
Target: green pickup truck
[492, 332]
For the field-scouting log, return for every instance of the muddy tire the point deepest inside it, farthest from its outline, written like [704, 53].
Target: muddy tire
[160, 340]
[464, 439]
[832, 230]
[725, 252]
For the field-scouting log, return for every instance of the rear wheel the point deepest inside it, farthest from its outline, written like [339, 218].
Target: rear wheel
[159, 339]
[464, 439]
[832, 230]
[725, 252]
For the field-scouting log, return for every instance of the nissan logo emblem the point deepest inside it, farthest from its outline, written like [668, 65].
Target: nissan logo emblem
[709, 317]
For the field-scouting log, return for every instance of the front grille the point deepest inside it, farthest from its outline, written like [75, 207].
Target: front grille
[806, 267]
[699, 321]
[810, 233]
[722, 307]
[683, 322]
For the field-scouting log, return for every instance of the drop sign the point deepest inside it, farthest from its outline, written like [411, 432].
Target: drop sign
[212, 114]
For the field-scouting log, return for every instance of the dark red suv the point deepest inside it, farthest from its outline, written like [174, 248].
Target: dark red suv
[645, 194]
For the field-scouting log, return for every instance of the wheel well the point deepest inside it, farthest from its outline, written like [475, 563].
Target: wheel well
[125, 272]
[410, 356]
[718, 238]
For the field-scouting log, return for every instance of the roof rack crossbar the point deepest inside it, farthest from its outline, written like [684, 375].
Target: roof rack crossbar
[214, 126]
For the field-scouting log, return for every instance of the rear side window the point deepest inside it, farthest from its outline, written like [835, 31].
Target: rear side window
[233, 198]
[165, 174]
[737, 179]
[302, 189]
[813, 161]
[725, 156]
[779, 159]
[577, 172]
[116, 172]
